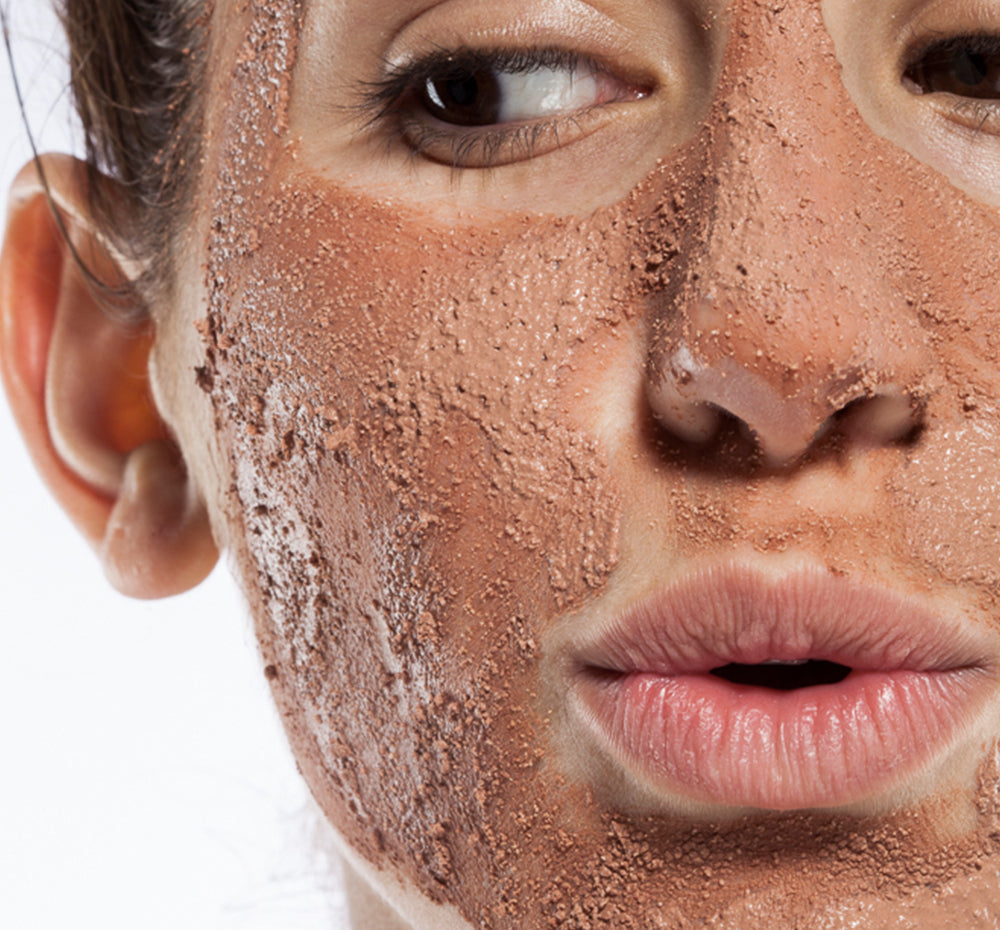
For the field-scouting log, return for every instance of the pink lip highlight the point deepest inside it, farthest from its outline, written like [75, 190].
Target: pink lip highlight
[645, 688]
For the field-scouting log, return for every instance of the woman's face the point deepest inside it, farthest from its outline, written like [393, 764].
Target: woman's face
[599, 402]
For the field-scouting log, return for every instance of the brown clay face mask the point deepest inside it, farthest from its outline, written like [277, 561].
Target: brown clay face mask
[460, 447]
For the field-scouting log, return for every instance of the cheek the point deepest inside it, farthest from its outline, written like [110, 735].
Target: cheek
[412, 505]
[951, 502]
[427, 367]
[947, 491]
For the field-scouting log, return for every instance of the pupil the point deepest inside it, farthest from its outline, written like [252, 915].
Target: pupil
[462, 91]
[970, 68]
[464, 98]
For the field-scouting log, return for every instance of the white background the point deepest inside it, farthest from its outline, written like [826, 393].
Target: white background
[144, 781]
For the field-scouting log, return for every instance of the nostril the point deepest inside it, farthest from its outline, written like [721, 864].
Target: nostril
[891, 415]
[679, 401]
[692, 421]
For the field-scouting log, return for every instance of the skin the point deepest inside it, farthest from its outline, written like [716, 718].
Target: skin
[430, 417]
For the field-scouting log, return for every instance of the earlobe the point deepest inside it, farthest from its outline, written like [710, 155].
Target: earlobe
[77, 377]
[156, 513]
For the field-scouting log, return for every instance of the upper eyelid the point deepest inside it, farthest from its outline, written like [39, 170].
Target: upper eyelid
[379, 95]
[920, 42]
[516, 58]
[916, 38]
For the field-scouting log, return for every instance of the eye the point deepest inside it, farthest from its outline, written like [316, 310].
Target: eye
[491, 95]
[480, 109]
[963, 66]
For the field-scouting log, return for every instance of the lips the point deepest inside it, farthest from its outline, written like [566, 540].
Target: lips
[806, 690]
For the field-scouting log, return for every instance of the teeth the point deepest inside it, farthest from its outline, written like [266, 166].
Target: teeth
[785, 662]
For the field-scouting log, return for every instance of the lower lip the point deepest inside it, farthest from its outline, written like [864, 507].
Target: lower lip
[700, 738]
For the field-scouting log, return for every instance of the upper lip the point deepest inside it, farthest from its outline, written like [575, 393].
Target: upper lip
[736, 613]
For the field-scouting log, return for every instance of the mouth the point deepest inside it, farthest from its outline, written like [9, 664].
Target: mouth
[806, 690]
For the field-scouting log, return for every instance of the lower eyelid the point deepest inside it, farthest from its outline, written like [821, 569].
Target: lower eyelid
[482, 149]
[486, 149]
[977, 116]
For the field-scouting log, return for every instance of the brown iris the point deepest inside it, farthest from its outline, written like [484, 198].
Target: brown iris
[463, 97]
[965, 66]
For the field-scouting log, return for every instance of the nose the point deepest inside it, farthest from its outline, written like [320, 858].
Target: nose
[692, 393]
[789, 303]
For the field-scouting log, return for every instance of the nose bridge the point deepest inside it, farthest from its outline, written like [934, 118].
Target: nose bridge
[792, 193]
[778, 308]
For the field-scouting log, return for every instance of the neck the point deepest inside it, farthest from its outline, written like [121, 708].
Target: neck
[366, 907]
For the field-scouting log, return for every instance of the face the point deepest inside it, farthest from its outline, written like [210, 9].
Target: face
[598, 401]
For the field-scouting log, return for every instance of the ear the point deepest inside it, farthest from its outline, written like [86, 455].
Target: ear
[76, 372]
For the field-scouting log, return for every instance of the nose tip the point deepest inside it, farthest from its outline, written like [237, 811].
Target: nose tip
[690, 398]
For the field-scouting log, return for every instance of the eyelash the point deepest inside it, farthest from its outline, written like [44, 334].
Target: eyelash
[385, 102]
[974, 111]
[978, 113]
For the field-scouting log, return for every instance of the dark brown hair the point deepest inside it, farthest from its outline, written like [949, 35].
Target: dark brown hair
[135, 73]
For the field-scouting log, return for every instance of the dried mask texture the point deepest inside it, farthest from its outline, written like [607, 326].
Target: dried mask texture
[424, 480]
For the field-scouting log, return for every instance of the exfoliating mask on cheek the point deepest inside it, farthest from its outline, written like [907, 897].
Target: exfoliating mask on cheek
[413, 501]
[434, 465]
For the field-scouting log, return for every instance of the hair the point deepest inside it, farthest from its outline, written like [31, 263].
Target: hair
[135, 73]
